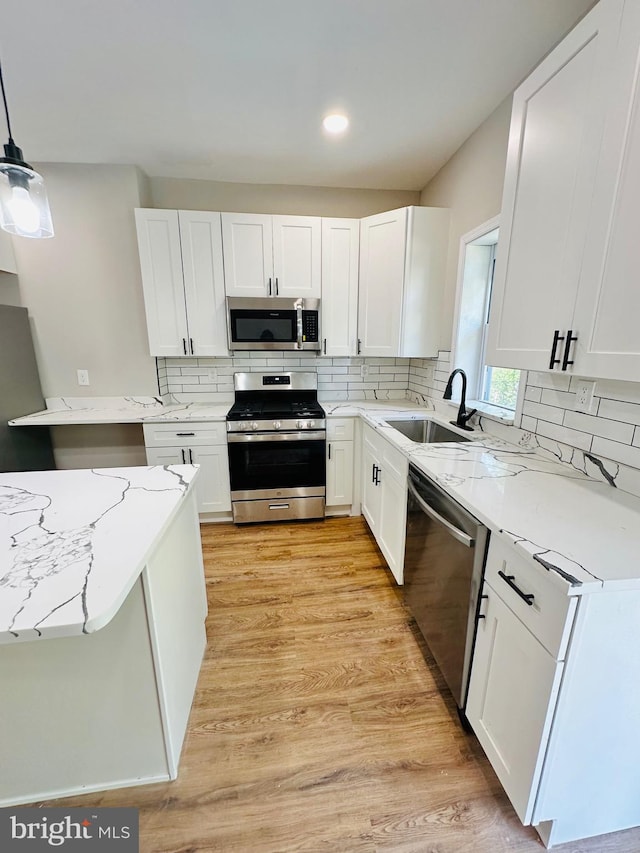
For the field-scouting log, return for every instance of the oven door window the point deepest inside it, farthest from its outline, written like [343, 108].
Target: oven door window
[249, 326]
[276, 464]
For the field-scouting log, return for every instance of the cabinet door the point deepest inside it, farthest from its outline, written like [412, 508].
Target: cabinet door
[247, 246]
[162, 281]
[554, 141]
[512, 693]
[297, 256]
[608, 305]
[340, 246]
[201, 242]
[382, 262]
[393, 518]
[370, 490]
[212, 486]
[339, 473]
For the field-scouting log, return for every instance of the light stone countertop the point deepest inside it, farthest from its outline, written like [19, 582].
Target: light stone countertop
[573, 523]
[73, 543]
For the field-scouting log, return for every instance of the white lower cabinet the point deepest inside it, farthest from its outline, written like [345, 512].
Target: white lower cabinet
[511, 698]
[340, 462]
[554, 696]
[203, 444]
[384, 496]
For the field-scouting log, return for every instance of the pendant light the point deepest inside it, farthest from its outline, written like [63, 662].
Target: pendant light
[24, 208]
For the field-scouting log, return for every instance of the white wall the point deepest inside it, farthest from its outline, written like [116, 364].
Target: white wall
[83, 288]
[173, 193]
[470, 185]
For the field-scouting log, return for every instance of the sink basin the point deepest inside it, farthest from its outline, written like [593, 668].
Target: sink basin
[425, 432]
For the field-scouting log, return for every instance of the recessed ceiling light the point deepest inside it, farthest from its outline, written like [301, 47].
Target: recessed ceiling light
[335, 123]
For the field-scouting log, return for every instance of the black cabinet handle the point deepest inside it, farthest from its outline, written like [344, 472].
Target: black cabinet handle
[190, 456]
[481, 615]
[182, 434]
[324, 346]
[329, 449]
[557, 337]
[359, 345]
[269, 287]
[276, 286]
[525, 596]
[184, 345]
[378, 472]
[184, 460]
[567, 346]
[191, 344]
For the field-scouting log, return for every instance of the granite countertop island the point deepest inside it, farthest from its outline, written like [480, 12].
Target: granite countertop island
[72, 544]
[102, 610]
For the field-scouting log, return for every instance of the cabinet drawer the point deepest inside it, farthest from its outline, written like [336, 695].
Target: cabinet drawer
[186, 433]
[550, 616]
[340, 429]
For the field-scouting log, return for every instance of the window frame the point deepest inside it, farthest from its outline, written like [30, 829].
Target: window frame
[476, 388]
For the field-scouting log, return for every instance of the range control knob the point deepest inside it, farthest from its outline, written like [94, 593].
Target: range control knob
[311, 424]
[300, 424]
[254, 425]
[277, 424]
[244, 426]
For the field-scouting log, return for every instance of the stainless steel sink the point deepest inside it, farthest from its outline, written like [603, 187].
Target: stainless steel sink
[424, 431]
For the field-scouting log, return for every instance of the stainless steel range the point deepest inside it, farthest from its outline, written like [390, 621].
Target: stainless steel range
[277, 441]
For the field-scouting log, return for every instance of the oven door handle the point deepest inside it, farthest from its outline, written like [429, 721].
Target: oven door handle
[460, 535]
[240, 437]
[299, 323]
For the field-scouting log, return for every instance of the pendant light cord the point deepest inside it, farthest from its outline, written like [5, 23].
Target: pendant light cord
[6, 108]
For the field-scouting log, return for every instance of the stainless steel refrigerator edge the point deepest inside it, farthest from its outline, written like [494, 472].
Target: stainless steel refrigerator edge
[21, 448]
[444, 563]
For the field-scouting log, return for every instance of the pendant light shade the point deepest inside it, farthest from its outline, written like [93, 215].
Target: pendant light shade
[24, 207]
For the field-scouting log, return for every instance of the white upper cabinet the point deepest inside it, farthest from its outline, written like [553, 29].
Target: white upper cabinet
[564, 295]
[402, 270]
[268, 255]
[247, 241]
[340, 245]
[608, 306]
[183, 282]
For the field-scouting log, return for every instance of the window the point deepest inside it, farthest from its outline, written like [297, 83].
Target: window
[497, 386]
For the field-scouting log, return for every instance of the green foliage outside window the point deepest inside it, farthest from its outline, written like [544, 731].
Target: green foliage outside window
[501, 386]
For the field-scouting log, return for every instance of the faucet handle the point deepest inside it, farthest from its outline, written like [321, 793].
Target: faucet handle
[462, 419]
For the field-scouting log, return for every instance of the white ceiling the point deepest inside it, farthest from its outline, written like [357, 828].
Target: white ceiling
[235, 90]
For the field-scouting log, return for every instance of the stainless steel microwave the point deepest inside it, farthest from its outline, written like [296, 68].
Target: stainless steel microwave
[273, 323]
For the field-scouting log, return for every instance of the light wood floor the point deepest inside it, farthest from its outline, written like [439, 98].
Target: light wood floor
[317, 724]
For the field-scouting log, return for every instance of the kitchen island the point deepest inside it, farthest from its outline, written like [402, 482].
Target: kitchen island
[102, 608]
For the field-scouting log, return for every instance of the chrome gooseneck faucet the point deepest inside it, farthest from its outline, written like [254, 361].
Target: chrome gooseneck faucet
[463, 415]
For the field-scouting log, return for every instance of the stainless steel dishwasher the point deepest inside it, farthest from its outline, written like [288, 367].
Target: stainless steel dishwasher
[443, 566]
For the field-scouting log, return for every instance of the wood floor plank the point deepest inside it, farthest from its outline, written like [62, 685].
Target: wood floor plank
[320, 722]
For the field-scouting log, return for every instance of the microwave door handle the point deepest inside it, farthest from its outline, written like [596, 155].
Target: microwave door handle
[430, 511]
[299, 323]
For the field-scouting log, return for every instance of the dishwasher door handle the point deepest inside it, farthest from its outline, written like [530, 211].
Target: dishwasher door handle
[460, 535]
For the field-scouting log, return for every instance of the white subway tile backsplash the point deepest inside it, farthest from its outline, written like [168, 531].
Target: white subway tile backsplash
[581, 440]
[551, 414]
[610, 434]
[619, 411]
[557, 382]
[615, 430]
[552, 397]
[624, 453]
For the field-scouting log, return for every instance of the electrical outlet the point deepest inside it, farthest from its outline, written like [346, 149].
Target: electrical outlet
[212, 374]
[364, 370]
[83, 377]
[585, 389]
